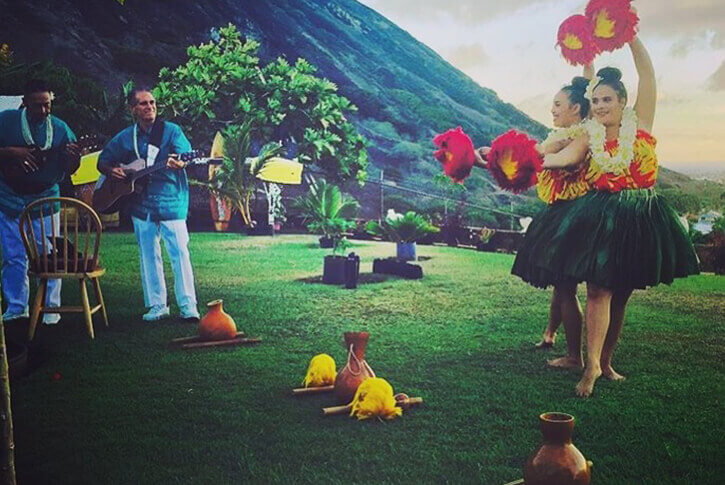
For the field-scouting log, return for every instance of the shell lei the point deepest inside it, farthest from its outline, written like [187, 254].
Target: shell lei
[375, 397]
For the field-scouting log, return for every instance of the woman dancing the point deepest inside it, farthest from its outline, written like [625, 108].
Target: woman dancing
[621, 235]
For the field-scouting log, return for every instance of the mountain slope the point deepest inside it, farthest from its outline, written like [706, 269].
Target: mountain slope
[405, 92]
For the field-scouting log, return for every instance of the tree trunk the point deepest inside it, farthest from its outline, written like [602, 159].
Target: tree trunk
[7, 461]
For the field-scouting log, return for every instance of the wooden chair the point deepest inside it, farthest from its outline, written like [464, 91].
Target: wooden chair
[65, 249]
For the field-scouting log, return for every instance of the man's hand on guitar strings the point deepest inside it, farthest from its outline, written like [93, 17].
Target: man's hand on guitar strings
[22, 157]
[118, 173]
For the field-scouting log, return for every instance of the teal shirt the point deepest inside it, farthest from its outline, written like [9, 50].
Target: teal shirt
[166, 195]
[49, 174]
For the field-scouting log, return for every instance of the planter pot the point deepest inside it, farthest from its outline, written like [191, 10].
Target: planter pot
[352, 271]
[221, 226]
[712, 257]
[333, 271]
[557, 461]
[397, 268]
[327, 242]
[406, 251]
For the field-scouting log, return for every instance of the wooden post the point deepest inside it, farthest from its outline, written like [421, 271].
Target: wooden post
[7, 461]
[382, 201]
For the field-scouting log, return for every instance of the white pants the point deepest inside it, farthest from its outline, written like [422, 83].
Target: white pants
[176, 240]
[16, 288]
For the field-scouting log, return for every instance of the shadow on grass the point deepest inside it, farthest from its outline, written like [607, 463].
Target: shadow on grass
[363, 279]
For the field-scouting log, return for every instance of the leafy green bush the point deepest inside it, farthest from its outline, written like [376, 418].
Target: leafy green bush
[327, 210]
[223, 84]
[402, 228]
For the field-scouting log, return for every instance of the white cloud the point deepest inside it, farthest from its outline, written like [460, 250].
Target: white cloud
[685, 38]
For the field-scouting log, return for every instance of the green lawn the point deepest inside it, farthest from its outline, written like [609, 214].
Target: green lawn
[128, 409]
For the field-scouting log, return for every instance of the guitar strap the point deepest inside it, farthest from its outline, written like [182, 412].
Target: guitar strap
[155, 137]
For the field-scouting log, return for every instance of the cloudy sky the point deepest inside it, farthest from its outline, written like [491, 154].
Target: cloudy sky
[508, 46]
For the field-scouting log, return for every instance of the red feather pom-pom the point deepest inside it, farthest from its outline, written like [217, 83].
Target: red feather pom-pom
[576, 41]
[456, 154]
[514, 162]
[612, 23]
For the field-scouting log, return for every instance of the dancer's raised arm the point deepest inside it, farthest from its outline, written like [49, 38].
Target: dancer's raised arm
[647, 87]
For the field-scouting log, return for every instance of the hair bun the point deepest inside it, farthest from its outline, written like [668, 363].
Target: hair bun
[579, 83]
[610, 74]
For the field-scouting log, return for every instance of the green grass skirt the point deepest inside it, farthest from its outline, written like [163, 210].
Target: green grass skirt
[627, 239]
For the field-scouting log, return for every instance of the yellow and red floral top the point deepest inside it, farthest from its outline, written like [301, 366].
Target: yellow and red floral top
[641, 173]
[563, 183]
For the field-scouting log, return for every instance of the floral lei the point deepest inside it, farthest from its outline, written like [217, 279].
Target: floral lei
[27, 134]
[567, 133]
[618, 163]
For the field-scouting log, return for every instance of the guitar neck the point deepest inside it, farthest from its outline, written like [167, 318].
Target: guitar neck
[190, 157]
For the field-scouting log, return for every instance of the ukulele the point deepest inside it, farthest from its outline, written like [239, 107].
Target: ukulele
[111, 193]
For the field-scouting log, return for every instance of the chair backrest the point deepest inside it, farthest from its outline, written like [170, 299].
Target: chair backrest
[61, 235]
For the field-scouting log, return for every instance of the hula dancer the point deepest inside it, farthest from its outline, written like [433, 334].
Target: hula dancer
[620, 236]
[558, 187]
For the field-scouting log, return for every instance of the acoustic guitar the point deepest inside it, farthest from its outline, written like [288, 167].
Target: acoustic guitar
[111, 193]
[13, 173]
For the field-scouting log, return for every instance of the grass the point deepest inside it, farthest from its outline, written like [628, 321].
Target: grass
[130, 410]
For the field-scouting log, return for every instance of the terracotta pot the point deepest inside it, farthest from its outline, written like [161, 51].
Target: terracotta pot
[557, 461]
[217, 324]
[356, 370]
[221, 208]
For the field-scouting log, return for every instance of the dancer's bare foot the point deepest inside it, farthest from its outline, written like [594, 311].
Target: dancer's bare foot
[611, 374]
[566, 362]
[586, 384]
[546, 342]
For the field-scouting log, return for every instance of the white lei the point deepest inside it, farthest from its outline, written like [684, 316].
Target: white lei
[561, 134]
[28, 136]
[618, 163]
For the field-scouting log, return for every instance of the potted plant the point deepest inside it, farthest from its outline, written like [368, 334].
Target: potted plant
[236, 179]
[403, 229]
[710, 248]
[326, 211]
[333, 271]
[484, 239]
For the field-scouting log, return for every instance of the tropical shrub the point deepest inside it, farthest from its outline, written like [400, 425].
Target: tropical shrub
[327, 210]
[404, 228]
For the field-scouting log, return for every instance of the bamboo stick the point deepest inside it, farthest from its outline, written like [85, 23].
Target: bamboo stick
[303, 391]
[7, 457]
[221, 343]
[335, 410]
[405, 403]
[196, 338]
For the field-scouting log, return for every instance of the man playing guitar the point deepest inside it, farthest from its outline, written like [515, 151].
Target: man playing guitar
[160, 210]
[37, 150]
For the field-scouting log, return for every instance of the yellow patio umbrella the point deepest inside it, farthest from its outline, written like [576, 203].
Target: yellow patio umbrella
[88, 170]
[277, 170]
